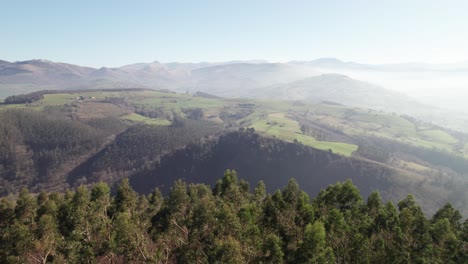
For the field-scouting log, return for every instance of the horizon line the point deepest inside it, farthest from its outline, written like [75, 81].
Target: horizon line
[251, 61]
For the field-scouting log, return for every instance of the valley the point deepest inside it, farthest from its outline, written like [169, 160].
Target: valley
[160, 136]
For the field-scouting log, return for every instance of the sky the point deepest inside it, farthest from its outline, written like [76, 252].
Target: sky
[115, 33]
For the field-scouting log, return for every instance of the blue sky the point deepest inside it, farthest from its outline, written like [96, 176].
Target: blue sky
[114, 33]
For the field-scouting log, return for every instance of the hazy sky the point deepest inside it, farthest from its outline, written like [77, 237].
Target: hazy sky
[113, 33]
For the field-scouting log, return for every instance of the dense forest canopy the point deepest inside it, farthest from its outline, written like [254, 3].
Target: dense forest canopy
[229, 223]
[34, 146]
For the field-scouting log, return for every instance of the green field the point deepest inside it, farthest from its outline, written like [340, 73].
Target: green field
[150, 121]
[60, 99]
[438, 136]
[282, 127]
[358, 122]
[272, 118]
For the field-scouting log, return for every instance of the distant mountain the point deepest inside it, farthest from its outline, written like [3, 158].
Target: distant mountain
[33, 75]
[234, 80]
[341, 89]
[224, 78]
[336, 64]
[227, 79]
[385, 86]
[42, 72]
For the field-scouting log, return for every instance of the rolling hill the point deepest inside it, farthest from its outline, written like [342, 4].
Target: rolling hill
[344, 90]
[155, 137]
[381, 87]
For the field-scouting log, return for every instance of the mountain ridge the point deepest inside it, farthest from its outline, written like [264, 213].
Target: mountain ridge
[258, 79]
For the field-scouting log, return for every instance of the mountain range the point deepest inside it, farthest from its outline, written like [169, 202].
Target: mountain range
[231, 78]
[399, 88]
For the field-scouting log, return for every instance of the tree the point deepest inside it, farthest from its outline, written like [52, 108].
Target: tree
[450, 214]
[415, 230]
[226, 224]
[23, 228]
[272, 250]
[48, 239]
[227, 250]
[313, 248]
[100, 223]
[125, 199]
[343, 196]
[260, 192]
[374, 204]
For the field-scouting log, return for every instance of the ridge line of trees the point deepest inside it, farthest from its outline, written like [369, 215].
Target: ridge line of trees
[229, 223]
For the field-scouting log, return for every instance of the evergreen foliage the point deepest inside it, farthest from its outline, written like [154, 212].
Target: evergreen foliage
[34, 146]
[225, 224]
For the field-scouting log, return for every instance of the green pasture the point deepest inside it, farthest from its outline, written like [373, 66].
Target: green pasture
[142, 119]
[282, 127]
[274, 118]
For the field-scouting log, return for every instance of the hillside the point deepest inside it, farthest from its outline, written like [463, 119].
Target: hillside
[343, 90]
[145, 135]
[273, 162]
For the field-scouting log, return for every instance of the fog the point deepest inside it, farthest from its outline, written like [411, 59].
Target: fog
[444, 89]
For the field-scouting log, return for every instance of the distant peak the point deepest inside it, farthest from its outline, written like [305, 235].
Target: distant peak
[38, 61]
[42, 60]
[104, 69]
[33, 61]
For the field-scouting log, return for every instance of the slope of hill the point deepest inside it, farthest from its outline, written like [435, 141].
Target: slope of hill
[275, 162]
[124, 134]
[36, 149]
[237, 79]
[343, 90]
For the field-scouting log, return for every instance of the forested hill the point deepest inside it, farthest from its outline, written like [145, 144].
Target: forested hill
[149, 158]
[230, 223]
[71, 151]
[36, 148]
[59, 141]
[270, 160]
